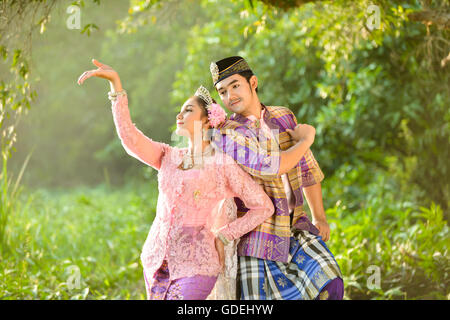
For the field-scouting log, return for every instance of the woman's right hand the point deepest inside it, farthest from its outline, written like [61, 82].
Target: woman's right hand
[303, 132]
[104, 71]
[220, 251]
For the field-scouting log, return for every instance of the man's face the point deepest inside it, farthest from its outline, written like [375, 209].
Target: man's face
[236, 93]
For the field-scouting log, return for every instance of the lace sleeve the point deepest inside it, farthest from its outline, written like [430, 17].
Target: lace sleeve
[225, 287]
[241, 185]
[135, 143]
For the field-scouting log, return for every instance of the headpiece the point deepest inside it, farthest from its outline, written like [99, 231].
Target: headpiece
[216, 114]
[227, 67]
[203, 94]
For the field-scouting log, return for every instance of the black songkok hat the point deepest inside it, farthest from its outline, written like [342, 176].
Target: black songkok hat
[227, 67]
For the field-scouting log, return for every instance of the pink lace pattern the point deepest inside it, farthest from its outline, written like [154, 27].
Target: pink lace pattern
[188, 201]
[225, 286]
[135, 143]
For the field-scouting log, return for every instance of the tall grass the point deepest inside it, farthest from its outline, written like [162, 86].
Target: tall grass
[379, 231]
[85, 243]
[8, 201]
[79, 244]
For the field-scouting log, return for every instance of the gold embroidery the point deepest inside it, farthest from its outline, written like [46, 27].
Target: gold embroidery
[300, 259]
[324, 295]
[320, 278]
[238, 66]
[264, 287]
[196, 195]
[269, 245]
[214, 71]
[175, 293]
[281, 282]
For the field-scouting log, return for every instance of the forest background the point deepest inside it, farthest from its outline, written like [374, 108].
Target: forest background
[371, 76]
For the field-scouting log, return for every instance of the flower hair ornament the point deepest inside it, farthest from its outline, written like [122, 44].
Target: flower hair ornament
[216, 114]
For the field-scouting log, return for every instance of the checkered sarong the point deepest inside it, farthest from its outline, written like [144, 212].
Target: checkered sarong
[311, 266]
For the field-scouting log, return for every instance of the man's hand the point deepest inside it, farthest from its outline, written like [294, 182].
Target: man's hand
[302, 132]
[324, 229]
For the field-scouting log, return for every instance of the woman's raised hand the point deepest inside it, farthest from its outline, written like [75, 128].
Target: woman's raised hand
[104, 71]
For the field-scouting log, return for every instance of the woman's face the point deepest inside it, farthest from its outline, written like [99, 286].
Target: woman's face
[191, 114]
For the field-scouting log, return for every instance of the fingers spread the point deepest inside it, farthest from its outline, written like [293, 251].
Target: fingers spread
[80, 79]
[87, 75]
[97, 63]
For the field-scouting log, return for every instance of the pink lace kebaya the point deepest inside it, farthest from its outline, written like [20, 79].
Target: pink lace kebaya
[187, 212]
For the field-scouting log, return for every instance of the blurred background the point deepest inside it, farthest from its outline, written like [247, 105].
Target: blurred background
[371, 76]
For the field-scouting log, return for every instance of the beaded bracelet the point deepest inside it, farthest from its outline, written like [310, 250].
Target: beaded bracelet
[223, 239]
[113, 95]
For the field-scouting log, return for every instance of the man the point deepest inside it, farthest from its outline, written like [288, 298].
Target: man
[285, 257]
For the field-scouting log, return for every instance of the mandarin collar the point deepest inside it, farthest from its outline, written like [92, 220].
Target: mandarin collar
[244, 120]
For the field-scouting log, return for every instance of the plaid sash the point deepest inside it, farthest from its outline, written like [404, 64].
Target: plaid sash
[310, 267]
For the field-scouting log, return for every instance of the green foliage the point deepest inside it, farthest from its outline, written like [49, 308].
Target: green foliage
[375, 227]
[409, 245]
[101, 231]
[371, 94]
[377, 97]
[98, 232]
[9, 198]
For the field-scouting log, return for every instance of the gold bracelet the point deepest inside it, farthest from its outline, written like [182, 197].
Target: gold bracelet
[223, 239]
[113, 95]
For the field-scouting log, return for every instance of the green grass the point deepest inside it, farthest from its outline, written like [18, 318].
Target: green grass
[406, 243]
[99, 232]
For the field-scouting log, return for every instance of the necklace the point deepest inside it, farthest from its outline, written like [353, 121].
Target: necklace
[188, 158]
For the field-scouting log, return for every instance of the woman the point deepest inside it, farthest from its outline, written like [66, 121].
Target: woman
[183, 254]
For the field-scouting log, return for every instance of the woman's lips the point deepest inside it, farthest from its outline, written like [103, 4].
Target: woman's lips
[233, 103]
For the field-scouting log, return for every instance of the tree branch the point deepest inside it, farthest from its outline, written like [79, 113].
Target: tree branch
[437, 17]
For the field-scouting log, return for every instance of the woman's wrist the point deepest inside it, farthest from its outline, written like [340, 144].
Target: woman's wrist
[115, 85]
[113, 95]
[222, 238]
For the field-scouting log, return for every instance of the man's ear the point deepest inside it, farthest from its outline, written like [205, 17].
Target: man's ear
[253, 82]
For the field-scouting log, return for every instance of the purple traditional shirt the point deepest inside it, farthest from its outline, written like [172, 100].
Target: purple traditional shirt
[258, 153]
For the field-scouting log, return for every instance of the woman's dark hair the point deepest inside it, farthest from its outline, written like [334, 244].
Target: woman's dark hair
[202, 104]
